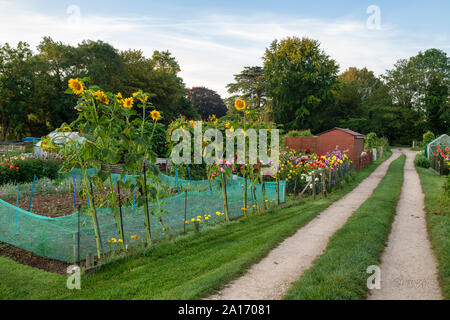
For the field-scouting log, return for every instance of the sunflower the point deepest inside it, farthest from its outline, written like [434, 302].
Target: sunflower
[239, 104]
[155, 115]
[128, 103]
[119, 98]
[76, 86]
[101, 96]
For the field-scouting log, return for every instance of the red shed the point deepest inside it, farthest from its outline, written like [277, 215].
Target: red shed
[341, 139]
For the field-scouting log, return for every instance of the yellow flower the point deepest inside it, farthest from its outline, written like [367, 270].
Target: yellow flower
[155, 115]
[119, 98]
[76, 86]
[239, 104]
[227, 124]
[218, 213]
[134, 237]
[101, 96]
[186, 222]
[128, 103]
[120, 240]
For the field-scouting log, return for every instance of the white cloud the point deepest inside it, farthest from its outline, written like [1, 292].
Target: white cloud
[214, 48]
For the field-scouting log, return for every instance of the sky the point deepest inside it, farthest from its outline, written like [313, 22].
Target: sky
[213, 40]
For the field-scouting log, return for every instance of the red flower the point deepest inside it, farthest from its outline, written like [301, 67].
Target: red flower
[308, 150]
[447, 149]
[439, 150]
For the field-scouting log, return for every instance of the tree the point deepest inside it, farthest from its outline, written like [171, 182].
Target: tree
[250, 86]
[159, 76]
[207, 102]
[419, 87]
[302, 82]
[16, 87]
[355, 108]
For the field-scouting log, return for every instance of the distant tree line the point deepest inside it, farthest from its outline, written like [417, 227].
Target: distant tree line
[298, 86]
[32, 85]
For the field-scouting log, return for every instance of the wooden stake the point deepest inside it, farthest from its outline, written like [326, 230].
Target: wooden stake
[313, 176]
[120, 214]
[147, 215]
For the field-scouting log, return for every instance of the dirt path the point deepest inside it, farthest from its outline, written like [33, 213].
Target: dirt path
[408, 266]
[273, 275]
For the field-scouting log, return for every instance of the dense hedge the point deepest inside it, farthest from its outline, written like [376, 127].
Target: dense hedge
[22, 168]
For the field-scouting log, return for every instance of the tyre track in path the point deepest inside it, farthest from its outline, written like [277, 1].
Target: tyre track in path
[408, 266]
[270, 278]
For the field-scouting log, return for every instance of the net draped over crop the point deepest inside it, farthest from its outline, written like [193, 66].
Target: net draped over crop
[71, 237]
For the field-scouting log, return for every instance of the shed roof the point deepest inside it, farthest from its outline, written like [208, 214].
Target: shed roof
[353, 133]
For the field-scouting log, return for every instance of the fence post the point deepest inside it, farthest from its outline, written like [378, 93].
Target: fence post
[313, 177]
[17, 211]
[185, 210]
[323, 182]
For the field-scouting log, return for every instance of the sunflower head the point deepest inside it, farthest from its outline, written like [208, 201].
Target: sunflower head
[76, 86]
[128, 103]
[239, 104]
[101, 96]
[155, 115]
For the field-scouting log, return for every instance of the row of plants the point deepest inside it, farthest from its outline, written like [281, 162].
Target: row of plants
[244, 119]
[296, 168]
[23, 168]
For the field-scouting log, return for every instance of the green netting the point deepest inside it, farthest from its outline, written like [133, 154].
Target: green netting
[69, 237]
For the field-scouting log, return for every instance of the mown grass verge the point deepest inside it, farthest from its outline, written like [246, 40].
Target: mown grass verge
[189, 267]
[340, 272]
[438, 225]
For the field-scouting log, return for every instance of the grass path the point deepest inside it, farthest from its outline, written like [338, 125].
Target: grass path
[273, 275]
[189, 267]
[438, 225]
[408, 266]
[340, 272]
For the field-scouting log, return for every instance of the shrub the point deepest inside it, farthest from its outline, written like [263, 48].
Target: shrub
[300, 133]
[428, 137]
[21, 169]
[422, 161]
[371, 140]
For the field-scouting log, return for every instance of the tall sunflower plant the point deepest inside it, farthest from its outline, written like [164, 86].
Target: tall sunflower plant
[112, 132]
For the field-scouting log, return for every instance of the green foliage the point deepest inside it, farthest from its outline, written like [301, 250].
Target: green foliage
[21, 169]
[300, 133]
[207, 102]
[32, 86]
[371, 140]
[428, 137]
[249, 85]
[301, 81]
[422, 161]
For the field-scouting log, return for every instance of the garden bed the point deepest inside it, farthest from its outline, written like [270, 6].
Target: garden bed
[30, 259]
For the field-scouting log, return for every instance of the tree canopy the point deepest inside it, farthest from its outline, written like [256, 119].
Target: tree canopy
[207, 102]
